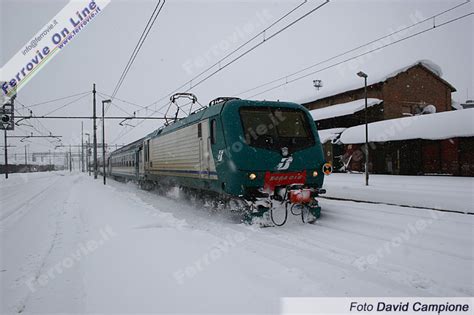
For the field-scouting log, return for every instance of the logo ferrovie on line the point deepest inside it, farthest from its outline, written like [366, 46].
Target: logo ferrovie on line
[56, 33]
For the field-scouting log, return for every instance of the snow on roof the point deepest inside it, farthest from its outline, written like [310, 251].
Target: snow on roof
[430, 65]
[443, 125]
[372, 79]
[326, 135]
[342, 109]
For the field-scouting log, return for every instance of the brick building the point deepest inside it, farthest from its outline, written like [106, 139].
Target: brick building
[414, 90]
[406, 91]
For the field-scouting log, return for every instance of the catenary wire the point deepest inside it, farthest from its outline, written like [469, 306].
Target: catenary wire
[221, 67]
[241, 55]
[140, 42]
[53, 100]
[354, 49]
[365, 53]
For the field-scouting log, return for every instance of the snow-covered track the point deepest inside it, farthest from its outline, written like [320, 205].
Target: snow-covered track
[163, 250]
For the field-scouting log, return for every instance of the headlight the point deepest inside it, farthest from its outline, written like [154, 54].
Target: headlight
[315, 173]
[252, 176]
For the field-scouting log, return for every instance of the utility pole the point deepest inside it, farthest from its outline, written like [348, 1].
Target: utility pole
[6, 155]
[88, 160]
[26, 158]
[70, 159]
[79, 158]
[95, 132]
[82, 146]
[103, 136]
[6, 119]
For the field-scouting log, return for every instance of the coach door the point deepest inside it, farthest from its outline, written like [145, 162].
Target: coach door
[204, 149]
[146, 154]
[136, 162]
[140, 161]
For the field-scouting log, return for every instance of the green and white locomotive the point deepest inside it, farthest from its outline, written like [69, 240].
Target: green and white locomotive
[251, 155]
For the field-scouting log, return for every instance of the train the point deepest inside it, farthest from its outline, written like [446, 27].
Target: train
[252, 156]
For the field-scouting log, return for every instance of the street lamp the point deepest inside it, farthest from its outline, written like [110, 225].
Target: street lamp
[317, 84]
[364, 75]
[103, 136]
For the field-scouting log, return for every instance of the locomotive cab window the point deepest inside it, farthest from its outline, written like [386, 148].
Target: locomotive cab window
[213, 131]
[275, 128]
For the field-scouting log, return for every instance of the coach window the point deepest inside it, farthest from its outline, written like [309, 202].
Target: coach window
[213, 131]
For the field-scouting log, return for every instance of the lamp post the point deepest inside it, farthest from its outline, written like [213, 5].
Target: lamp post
[103, 137]
[364, 75]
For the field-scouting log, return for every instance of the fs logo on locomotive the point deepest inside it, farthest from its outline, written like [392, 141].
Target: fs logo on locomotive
[284, 163]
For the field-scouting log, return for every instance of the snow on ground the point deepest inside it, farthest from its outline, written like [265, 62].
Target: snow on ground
[436, 192]
[70, 244]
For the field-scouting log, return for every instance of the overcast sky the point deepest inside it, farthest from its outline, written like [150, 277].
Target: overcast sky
[189, 36]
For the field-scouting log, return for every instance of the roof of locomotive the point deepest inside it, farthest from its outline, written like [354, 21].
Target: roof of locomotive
[213, 110]
[204, 113]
